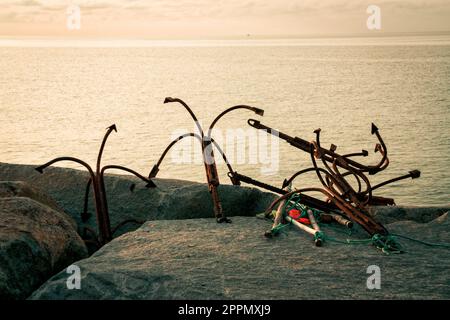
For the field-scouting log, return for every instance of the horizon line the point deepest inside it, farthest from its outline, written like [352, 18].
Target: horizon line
[372, 34]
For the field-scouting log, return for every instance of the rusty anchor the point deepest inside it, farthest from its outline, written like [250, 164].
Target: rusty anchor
[207, 144]
[105, 233]
[342, 198]
[329, 155]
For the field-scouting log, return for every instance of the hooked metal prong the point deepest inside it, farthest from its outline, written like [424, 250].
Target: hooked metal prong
[97, 181]
[415, 174]
[374, 128]
[154, 172]
[170, 99]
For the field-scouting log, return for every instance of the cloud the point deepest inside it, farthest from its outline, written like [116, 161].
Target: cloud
[254, 14]
[8, 16]
[229, 8]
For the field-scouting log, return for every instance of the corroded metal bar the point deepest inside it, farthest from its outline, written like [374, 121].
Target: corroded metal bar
[306, 200]
[329, 155]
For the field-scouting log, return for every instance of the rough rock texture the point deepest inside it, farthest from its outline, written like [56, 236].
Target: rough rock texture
[172, 199]
[10, 189]
[200, 259]
[418, 214]
[35, 243]
[172, 257]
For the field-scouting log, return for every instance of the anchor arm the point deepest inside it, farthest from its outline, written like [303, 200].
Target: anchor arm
[258, 111]
[414, 174]
[185, 105]
[102, 146]
[41, 168]
[377, 168]
[150, 183]
[155, 168]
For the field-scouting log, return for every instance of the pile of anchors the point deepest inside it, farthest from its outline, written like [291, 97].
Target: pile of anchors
[344, 203]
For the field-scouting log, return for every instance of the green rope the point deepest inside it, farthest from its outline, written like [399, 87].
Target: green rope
[387, 244]
[294, 203]
[278, 228]
[429, 244]
[319, 235]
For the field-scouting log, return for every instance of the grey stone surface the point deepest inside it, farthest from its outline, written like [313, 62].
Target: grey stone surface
[181, 253]
[35, 243]
[21, 189]
[397, 213]
[172, 199]
[200, 259]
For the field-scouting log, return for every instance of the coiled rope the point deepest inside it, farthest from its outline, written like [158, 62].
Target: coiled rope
[388, 244]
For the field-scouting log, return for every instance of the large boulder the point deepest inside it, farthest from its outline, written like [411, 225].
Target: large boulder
[10, 189]
[36, 242]
[200, 259]
[172, 199]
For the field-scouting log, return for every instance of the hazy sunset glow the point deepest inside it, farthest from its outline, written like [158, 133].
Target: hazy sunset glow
[161, 19]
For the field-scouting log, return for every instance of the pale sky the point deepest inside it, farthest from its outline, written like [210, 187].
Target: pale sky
[166, 19]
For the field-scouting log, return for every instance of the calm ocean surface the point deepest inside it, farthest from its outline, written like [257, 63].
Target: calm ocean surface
[56, 99]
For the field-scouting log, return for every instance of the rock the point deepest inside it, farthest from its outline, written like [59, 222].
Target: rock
[443, 219]
[172, 199]
[22, 189]
[200, 259]
[394, 213]
[35, 243]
